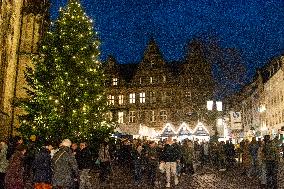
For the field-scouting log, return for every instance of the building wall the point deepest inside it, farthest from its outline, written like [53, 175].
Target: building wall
[21, 25]
[262, 101]
[274, 99]
[177, 95]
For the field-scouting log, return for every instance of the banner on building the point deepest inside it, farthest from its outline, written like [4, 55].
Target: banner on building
[236, 120]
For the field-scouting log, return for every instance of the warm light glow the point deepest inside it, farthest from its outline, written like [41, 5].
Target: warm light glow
[168, 125]
[219, 106]
[219, 121]
[210, 105]
[262, 108]
[200, 124]
[184, 126]
[263, 128]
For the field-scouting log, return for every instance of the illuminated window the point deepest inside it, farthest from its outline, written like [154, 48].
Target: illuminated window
[132, 98]
[142, 97]
[114, 81]
[153, 116]
[120, 117]
[131, 117]
[163, 115]
[164, 79]
[110, 100]
[151, 80]
[152, 97]
[120, 99]
[164, 96]
[140, 80]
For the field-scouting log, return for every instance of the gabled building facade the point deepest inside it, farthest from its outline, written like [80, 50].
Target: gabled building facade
[261, 102]
[154, 92]
[273, 97]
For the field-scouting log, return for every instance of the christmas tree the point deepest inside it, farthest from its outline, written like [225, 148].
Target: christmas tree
[66, 84]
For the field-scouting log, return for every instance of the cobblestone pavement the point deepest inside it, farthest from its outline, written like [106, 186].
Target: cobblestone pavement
[204, 178]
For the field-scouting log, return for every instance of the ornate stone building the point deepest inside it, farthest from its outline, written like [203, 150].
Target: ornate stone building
[273, 97]
[154, 92]
[261, 102]
[21, 24]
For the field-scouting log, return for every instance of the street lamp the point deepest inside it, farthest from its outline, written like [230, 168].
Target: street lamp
[219, 108]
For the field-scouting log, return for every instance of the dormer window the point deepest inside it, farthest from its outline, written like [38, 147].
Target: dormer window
[152, 63]
[114, 81]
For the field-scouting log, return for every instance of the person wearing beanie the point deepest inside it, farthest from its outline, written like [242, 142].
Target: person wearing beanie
[64, 166]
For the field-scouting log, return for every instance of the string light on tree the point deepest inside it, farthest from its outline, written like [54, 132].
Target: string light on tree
[60, 76]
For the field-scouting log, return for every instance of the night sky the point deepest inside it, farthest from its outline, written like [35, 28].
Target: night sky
[255, 27]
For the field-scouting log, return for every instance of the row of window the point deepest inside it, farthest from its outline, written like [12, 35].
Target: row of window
[276, 118]
[133, 115]
[276, 99]
[142, 80]
[165, 97]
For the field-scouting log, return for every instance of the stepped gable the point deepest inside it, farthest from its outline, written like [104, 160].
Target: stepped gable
[111, 66]
[152, 65]
[124, 72]
[152, 58]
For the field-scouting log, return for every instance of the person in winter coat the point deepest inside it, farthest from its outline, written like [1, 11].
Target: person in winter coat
[246, 159]
[41, 166]
[84, 160]
[253, 150]
[64, 166]
[104, 159]
[171, 156]
[14, 178]
[271, 158]
[12, 145]
[138, 162]
[3, 163]
[187, 157]
[152, 162]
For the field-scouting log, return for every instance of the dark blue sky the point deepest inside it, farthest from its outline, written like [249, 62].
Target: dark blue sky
[253, 26]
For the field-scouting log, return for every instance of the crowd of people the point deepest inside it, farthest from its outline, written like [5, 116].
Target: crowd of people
[68, 165]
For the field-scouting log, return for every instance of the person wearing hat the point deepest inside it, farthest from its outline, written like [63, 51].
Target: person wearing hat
[64, 166]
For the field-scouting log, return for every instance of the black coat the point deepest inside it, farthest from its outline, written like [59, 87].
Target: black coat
[42, 167]
[84, 159]
[171, 153]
